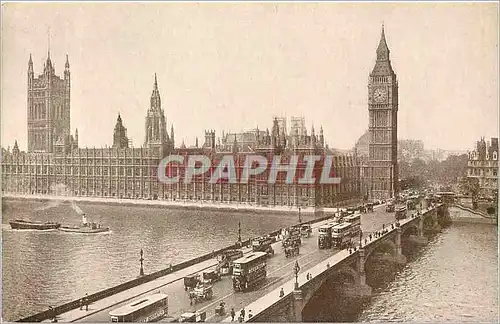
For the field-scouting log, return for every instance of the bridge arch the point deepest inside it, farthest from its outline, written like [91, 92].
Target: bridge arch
[325, 285]
[410, 229]
[387, 243]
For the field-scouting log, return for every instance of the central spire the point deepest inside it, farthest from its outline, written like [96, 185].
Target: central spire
[155, 97]
[48, 44]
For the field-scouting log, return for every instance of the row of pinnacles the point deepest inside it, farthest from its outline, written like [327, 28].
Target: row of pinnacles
[277, 139]
[485, 150]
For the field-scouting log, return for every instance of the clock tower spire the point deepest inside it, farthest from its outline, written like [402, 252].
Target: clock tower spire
[383, 111]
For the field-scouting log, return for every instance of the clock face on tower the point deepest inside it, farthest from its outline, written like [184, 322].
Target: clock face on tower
[379, 94]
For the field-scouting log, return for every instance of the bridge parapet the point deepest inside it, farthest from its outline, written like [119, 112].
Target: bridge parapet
[289, 307]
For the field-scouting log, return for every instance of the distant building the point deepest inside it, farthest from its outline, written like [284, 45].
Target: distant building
[409, 149]
[483, 165]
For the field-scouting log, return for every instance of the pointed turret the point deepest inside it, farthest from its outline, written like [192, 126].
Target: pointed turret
[66, 69]
[383, 64]
[155, 97]
[235, 145]
[383, 50]
[31, 74]
[172, 138]
[120, 139]
[15, 150]
[30, 65]
[321, 137]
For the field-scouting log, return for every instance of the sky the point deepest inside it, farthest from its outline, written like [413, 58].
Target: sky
[234, 66]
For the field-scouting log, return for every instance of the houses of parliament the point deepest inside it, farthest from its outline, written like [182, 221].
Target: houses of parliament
[54, 164]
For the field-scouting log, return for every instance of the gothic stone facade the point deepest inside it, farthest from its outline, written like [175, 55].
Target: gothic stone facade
[54, 165]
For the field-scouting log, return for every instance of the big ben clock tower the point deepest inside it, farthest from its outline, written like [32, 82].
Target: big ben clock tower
[383, 126]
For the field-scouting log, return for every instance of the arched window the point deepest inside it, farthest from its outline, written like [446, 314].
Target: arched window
[495, 156]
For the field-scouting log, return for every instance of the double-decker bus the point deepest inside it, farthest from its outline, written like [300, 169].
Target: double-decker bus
[355, 219]
[400, 212]
[446, 197]
[325, 236]
[341, 234]
[249, 271]
[147, 309]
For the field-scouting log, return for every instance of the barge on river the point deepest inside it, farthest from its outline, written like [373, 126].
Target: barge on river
[20, 224]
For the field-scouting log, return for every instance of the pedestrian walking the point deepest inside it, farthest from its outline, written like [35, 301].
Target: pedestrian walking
[250, 314]
[81, 303]
[86, 302]
[233, 314]
[282, 292]
[242, 313]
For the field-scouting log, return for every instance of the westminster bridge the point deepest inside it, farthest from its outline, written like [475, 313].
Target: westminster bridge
[382, 239]
[287, 303]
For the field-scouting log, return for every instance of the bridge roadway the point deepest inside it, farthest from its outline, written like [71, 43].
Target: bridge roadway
[334, 262]
[279, 270]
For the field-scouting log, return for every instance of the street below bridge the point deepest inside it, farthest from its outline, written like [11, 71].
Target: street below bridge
[279, 270]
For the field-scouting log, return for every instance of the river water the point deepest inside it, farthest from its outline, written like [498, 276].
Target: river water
[453, 278]
[42, 268]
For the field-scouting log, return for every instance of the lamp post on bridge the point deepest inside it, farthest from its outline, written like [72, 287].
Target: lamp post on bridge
[297, 269]
[141, 272]
[239, 233]
[360, 237]
[300, 218]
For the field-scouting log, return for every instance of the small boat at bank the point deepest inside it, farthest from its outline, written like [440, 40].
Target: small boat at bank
[21, 224]
[85, 227]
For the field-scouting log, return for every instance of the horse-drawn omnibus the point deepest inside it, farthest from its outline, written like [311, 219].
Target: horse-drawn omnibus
[249, 271]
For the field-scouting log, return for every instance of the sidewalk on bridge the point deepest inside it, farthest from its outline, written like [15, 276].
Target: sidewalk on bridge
[274, 296]
[110, 301]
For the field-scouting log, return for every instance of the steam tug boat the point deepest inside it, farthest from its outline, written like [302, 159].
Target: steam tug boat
[20, 224]
[85, 227]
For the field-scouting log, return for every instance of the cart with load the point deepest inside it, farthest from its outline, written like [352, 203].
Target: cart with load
[263, 244]
[210, 277]
[201, 293]
[306, 230]
[191, 282]
[192, 317]
[291, 251]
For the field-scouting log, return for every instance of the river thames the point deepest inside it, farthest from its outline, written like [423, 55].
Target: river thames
[453, 278]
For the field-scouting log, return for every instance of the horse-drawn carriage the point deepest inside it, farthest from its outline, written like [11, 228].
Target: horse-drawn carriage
[201, 293]
[291, 250]
[191, 282]
[210, 277]
[193, 317]
[306, 230]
